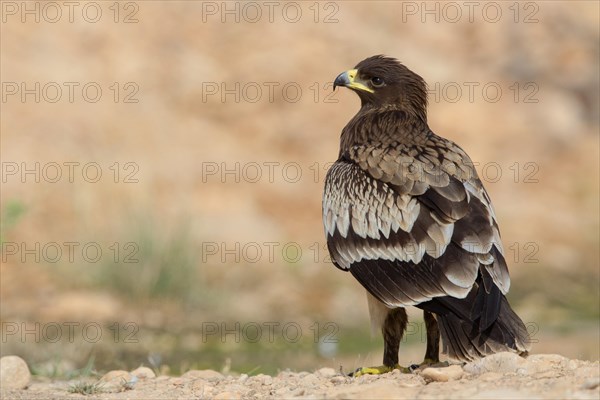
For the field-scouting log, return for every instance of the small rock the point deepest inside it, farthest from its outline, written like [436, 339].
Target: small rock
[327, 372]
[118, 381]
[446, 374]
[434, 374]
[206, 374]
[14, 373]
[591, 384]
[228, 396]
[499, 362]
[243, 378]
[116, 376]
[338, 380]
[454, 372]
[143, 373]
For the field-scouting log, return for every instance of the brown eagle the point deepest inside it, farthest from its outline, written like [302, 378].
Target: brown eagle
[405, 212]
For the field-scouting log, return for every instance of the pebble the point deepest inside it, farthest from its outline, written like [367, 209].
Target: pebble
[116, 376]
[453, 372]
[206, 374]
[14, 373]
[338, 380]
[590, 384]
[117, 381]
[500, 362]
[143, 373]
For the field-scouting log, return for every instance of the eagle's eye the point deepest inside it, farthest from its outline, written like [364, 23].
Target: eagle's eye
[377, 81]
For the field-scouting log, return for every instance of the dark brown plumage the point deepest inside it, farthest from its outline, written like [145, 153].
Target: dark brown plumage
[406, 214]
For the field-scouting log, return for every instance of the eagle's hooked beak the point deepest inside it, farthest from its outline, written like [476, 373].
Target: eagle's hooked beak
[349, 80]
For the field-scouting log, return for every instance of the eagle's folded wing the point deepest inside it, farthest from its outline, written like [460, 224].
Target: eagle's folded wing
[411, 224]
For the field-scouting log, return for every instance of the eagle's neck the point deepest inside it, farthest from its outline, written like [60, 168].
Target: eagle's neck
[381, 127]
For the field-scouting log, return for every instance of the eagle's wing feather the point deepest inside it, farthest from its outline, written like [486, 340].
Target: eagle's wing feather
[411, 224]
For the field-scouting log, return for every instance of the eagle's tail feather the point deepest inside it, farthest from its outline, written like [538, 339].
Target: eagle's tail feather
[480, 324]
[462, 340]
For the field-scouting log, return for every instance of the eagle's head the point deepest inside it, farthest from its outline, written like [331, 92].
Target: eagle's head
[384, 82]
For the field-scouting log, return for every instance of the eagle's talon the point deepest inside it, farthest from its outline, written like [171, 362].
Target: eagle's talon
[380, 370]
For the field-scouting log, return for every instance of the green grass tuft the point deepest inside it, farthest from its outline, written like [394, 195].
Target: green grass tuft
[86, 388]
[152, 265]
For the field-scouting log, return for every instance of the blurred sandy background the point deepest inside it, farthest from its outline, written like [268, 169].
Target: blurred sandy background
[212, 248]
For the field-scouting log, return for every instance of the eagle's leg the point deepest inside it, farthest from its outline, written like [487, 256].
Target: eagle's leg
[432, 354]
[393, 329]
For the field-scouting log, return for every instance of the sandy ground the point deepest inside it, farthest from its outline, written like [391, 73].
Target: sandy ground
[501, 376]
